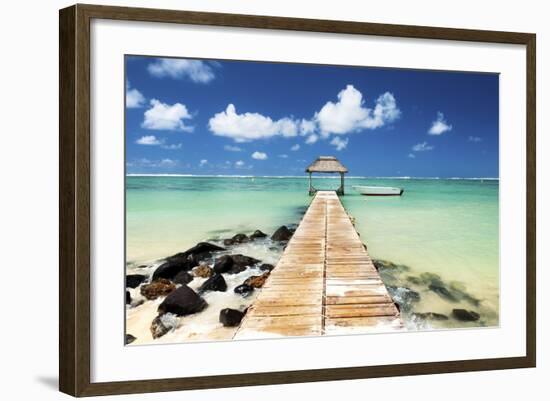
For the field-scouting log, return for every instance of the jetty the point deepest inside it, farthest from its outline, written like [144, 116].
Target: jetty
[325, 282]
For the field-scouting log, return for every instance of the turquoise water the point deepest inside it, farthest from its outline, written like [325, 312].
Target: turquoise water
[444, 227]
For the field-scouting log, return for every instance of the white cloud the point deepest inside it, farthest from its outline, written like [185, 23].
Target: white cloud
[311, 139]
[146, 163]
[250, 126]
[150, 140]
[422, 147]
[439, 125]
[239, 163]
[412, 155]
[339, 143]
[307, 127]
[196, 70]
[231, 148]
[162, 116]
[474, 139]
[294, 148]
[174, 146]
[134, 98]
[259, 156]
[349, 114]
[203, 162]
[283, 156]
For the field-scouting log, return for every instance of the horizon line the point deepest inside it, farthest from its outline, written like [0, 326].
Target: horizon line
[305, 177]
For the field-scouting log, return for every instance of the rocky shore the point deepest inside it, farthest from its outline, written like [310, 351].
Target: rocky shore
[190, 287]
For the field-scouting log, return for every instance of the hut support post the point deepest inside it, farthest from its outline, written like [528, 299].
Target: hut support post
[311, 191]
[341, 189]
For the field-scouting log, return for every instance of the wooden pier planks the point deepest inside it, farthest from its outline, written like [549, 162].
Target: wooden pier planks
[325, 283]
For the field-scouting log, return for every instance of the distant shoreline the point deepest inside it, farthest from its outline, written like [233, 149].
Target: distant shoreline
[316, 177]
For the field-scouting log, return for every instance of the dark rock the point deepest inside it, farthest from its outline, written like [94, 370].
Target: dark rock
[214, 283]
[282, 234]
[228, 242]
[183, 278]
[129, 339]
[258, 234]
[414, 280]
[223, 264]
[231, 317]
[266, 267]
[431, 316]
[403, 296]
[169, 270]
[157, 288]
[241, 263]
[133, 280]
[182, 301]
[465, 316]
[240, 238]
[203, 271]
[162, 324]
[128, 298]
[243, 290]
[443, 292]
[200, 248]
[256, 281]
[459, 291]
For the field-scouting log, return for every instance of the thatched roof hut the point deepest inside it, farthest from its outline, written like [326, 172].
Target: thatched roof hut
[327, 164]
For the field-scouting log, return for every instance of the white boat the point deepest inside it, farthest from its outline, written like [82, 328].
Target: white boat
[378, 191]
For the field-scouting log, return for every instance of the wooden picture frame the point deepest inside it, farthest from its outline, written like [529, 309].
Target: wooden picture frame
[74, 199]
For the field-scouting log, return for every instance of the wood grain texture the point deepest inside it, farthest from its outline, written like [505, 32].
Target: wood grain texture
[74, 201]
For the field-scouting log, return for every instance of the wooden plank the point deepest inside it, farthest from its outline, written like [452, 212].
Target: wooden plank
[324, 283]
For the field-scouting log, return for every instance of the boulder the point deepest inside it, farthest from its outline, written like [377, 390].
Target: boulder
[133, 280]
[243, 290]
[170, 268]
[465, 316]
[182, 301]
[430, 316]
[240, 239]
[214, 283]
[200, 248]
[162, 324]
[157, 288]
[443, 292]
[241, 263]
[282, 234]
[266, 267]
[256, 281]
[128, 298]
[183, 278]
[203, 271]
[257, 234]
[129, 339]
[223, 264]
[231, 317]
[403, 296]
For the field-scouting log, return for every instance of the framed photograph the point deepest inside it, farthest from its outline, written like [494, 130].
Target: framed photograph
[250, 200]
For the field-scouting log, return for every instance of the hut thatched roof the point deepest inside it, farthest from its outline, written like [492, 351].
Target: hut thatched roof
[326, 164]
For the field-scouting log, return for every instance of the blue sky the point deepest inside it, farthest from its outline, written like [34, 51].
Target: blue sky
[252, 118]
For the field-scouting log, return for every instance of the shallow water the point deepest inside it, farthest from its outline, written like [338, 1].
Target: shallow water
[445, 227]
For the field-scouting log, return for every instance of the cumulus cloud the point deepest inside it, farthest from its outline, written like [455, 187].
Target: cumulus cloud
[474, 139]
[259, 155]
[231, 148]
[311, 139]
[250, 126]
[307, 127]
[439, 125]
[195, 70]
[239, 163]
[150, 140]
[203, 162]
[295, 147]
[162, 116]
[422, 147]
[412, 155]
[339, 143]
[134, 98]
[349, 113]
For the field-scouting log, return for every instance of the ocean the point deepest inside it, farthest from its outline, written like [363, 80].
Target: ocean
[440, 240]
